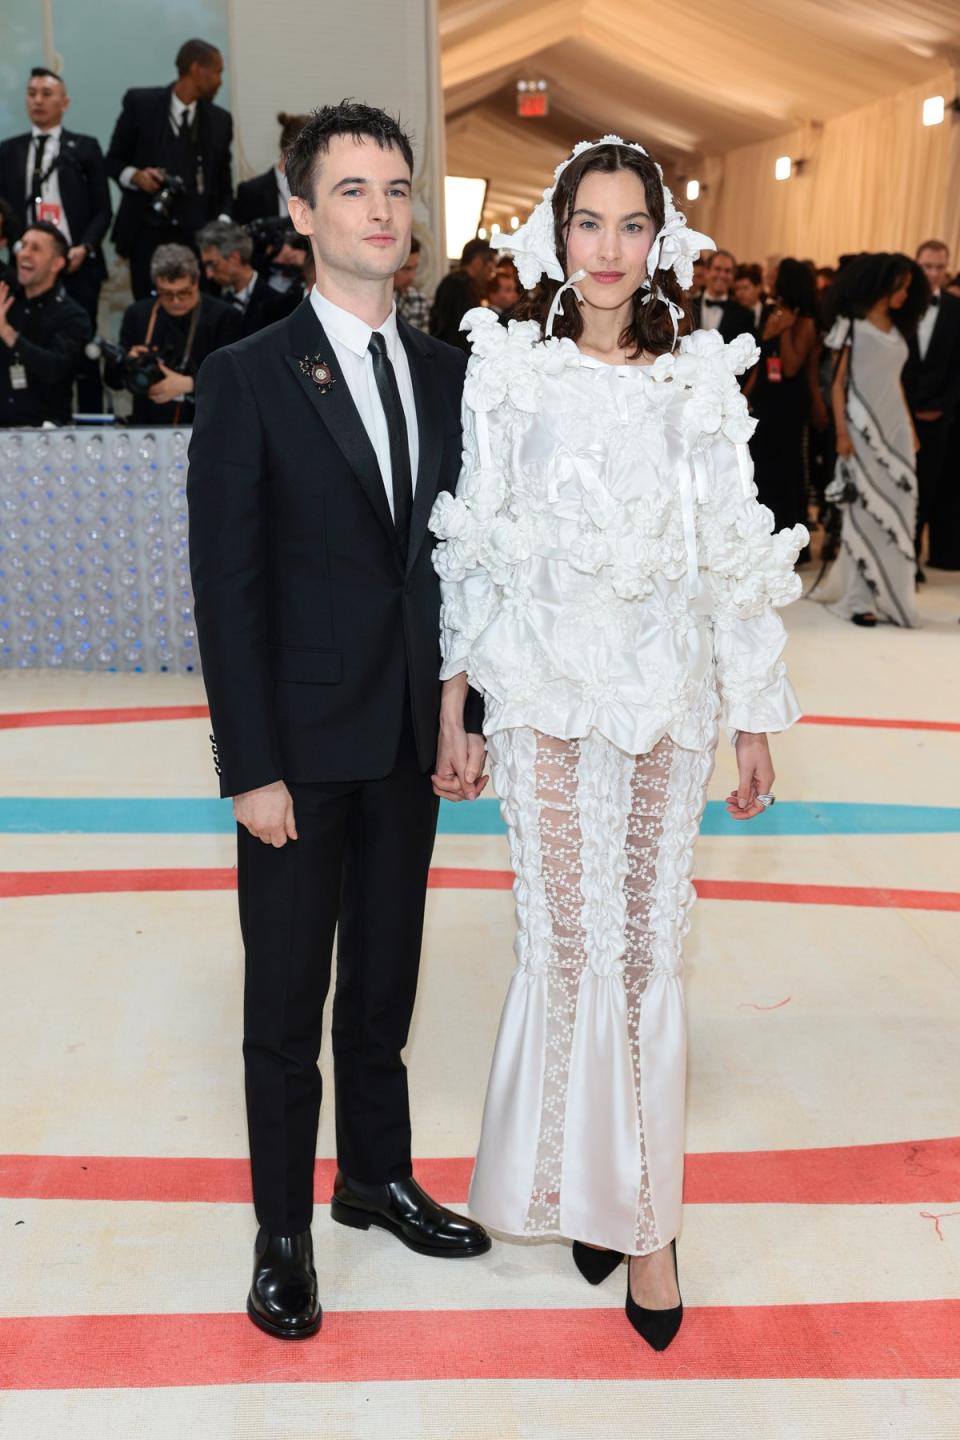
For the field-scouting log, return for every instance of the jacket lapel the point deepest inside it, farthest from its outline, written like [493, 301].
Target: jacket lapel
[336, 409]
[430, 428]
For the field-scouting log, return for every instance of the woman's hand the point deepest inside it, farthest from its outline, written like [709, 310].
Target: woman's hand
[460, 757]
[844, 445]
[756, 777]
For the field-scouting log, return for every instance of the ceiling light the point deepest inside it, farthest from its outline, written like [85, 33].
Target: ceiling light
[933, 110]
[693, 189]
[514, 222]
[783, 168]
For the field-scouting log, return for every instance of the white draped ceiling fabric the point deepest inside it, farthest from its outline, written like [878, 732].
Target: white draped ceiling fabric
[717, 94]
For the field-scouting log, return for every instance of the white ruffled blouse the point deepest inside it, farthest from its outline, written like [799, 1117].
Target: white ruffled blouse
[605, 564]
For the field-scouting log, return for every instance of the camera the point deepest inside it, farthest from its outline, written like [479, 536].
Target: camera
[139, 372]
[173, 187]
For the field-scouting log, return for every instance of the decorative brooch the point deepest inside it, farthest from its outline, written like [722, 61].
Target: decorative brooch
[319, 372]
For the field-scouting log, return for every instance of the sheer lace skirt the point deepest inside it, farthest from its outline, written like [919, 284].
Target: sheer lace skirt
[583, 1126]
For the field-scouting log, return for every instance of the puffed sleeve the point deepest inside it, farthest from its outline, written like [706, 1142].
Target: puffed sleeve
[750, 576]
[460, 523]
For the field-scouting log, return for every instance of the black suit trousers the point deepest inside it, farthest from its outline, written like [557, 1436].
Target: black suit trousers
[361, 861]
[932, 435]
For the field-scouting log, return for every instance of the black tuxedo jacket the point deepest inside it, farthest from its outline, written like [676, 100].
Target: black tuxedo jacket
[265, 307]
[933, 383]
[312, 630]
[737, 319]
[83, 188]
[137, 139]
[257, 198]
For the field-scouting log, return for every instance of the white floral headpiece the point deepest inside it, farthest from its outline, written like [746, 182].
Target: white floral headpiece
[675, 246]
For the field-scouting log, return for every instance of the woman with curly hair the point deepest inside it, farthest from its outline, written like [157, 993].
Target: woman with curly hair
[609, 583]
[874, 305]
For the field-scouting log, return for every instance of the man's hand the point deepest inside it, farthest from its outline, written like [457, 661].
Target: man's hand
[76, 256]
[929, 415]
[149, 180]
[460, 761]
[267, 813]
[172, 387]
[756, 777]
[7, 333]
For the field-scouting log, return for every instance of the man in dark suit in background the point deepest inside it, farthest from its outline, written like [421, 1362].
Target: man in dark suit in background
[42, 332]
[931, 381]
[225, 252]
[318, 450]
[460, 291]
[171, 131]
[55, 174]
[265, 196]
[716, 308]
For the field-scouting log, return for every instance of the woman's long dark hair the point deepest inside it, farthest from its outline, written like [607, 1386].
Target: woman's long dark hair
[796, 286]
[865, 279]
[650, 328]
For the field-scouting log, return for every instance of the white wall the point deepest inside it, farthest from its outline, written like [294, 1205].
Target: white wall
[295, 55]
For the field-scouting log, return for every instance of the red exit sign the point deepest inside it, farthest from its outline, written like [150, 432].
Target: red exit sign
[532, 104]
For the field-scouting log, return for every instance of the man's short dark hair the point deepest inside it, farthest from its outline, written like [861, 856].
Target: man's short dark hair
[728, 253]
[350, 117]
[753, 273]
[40, 72]
[934, 245]
[195, 52]
[46, 227]
[472, 250]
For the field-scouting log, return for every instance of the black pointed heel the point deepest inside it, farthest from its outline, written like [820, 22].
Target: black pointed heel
[595, 1265]
[657, 1327]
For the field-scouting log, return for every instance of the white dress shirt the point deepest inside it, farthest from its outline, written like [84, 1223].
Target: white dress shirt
[284, 191]
[927, 322]
[241, 298]
[711, 316]
[51, 186]
[350, 338]
[177, 111]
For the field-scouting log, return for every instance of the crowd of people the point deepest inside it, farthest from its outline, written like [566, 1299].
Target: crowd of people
[209, 265]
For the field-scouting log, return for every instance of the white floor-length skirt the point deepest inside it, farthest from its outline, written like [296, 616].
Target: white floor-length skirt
[583, 1126]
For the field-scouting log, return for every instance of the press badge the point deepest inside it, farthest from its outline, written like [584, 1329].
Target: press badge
[18, 377]
[47, 210]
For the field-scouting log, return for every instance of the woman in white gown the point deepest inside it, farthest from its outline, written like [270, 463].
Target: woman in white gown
[609, 583]
[877, 301]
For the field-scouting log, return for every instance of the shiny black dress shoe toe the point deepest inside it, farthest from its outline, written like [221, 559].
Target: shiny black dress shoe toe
[595, 1265]
[283, 1298]
[408, 1213]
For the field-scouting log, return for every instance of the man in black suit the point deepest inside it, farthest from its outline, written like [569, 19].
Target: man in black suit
[42, 332]
[225, 252]
[461, 291]
[265, 196]
[172, 130]
[931, 381]
[55, 174]
[716, 308]
[317, 612]
[179, 328]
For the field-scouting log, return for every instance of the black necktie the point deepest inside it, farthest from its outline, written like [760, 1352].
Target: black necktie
[36, 184]
[389, 393]
[934, 301]
[718, 304]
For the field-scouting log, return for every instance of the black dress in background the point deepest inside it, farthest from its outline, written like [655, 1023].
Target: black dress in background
[782, 410]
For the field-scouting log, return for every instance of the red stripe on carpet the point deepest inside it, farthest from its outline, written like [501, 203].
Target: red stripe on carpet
[875, 723]
[131, 715]
[20, 884]
[905, 1172]
[918, 1339]
[25, 719]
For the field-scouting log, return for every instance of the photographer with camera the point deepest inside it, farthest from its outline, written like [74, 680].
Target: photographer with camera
[163, 341]
[225, 253]
[170, 155]
[42, 332]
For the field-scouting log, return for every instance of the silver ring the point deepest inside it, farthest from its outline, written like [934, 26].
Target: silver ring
[766, 801]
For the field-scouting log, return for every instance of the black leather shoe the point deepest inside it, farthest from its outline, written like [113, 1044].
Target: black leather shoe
[595, 1265]
[657, 1327]
[408, 1212]
[283, 1297]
